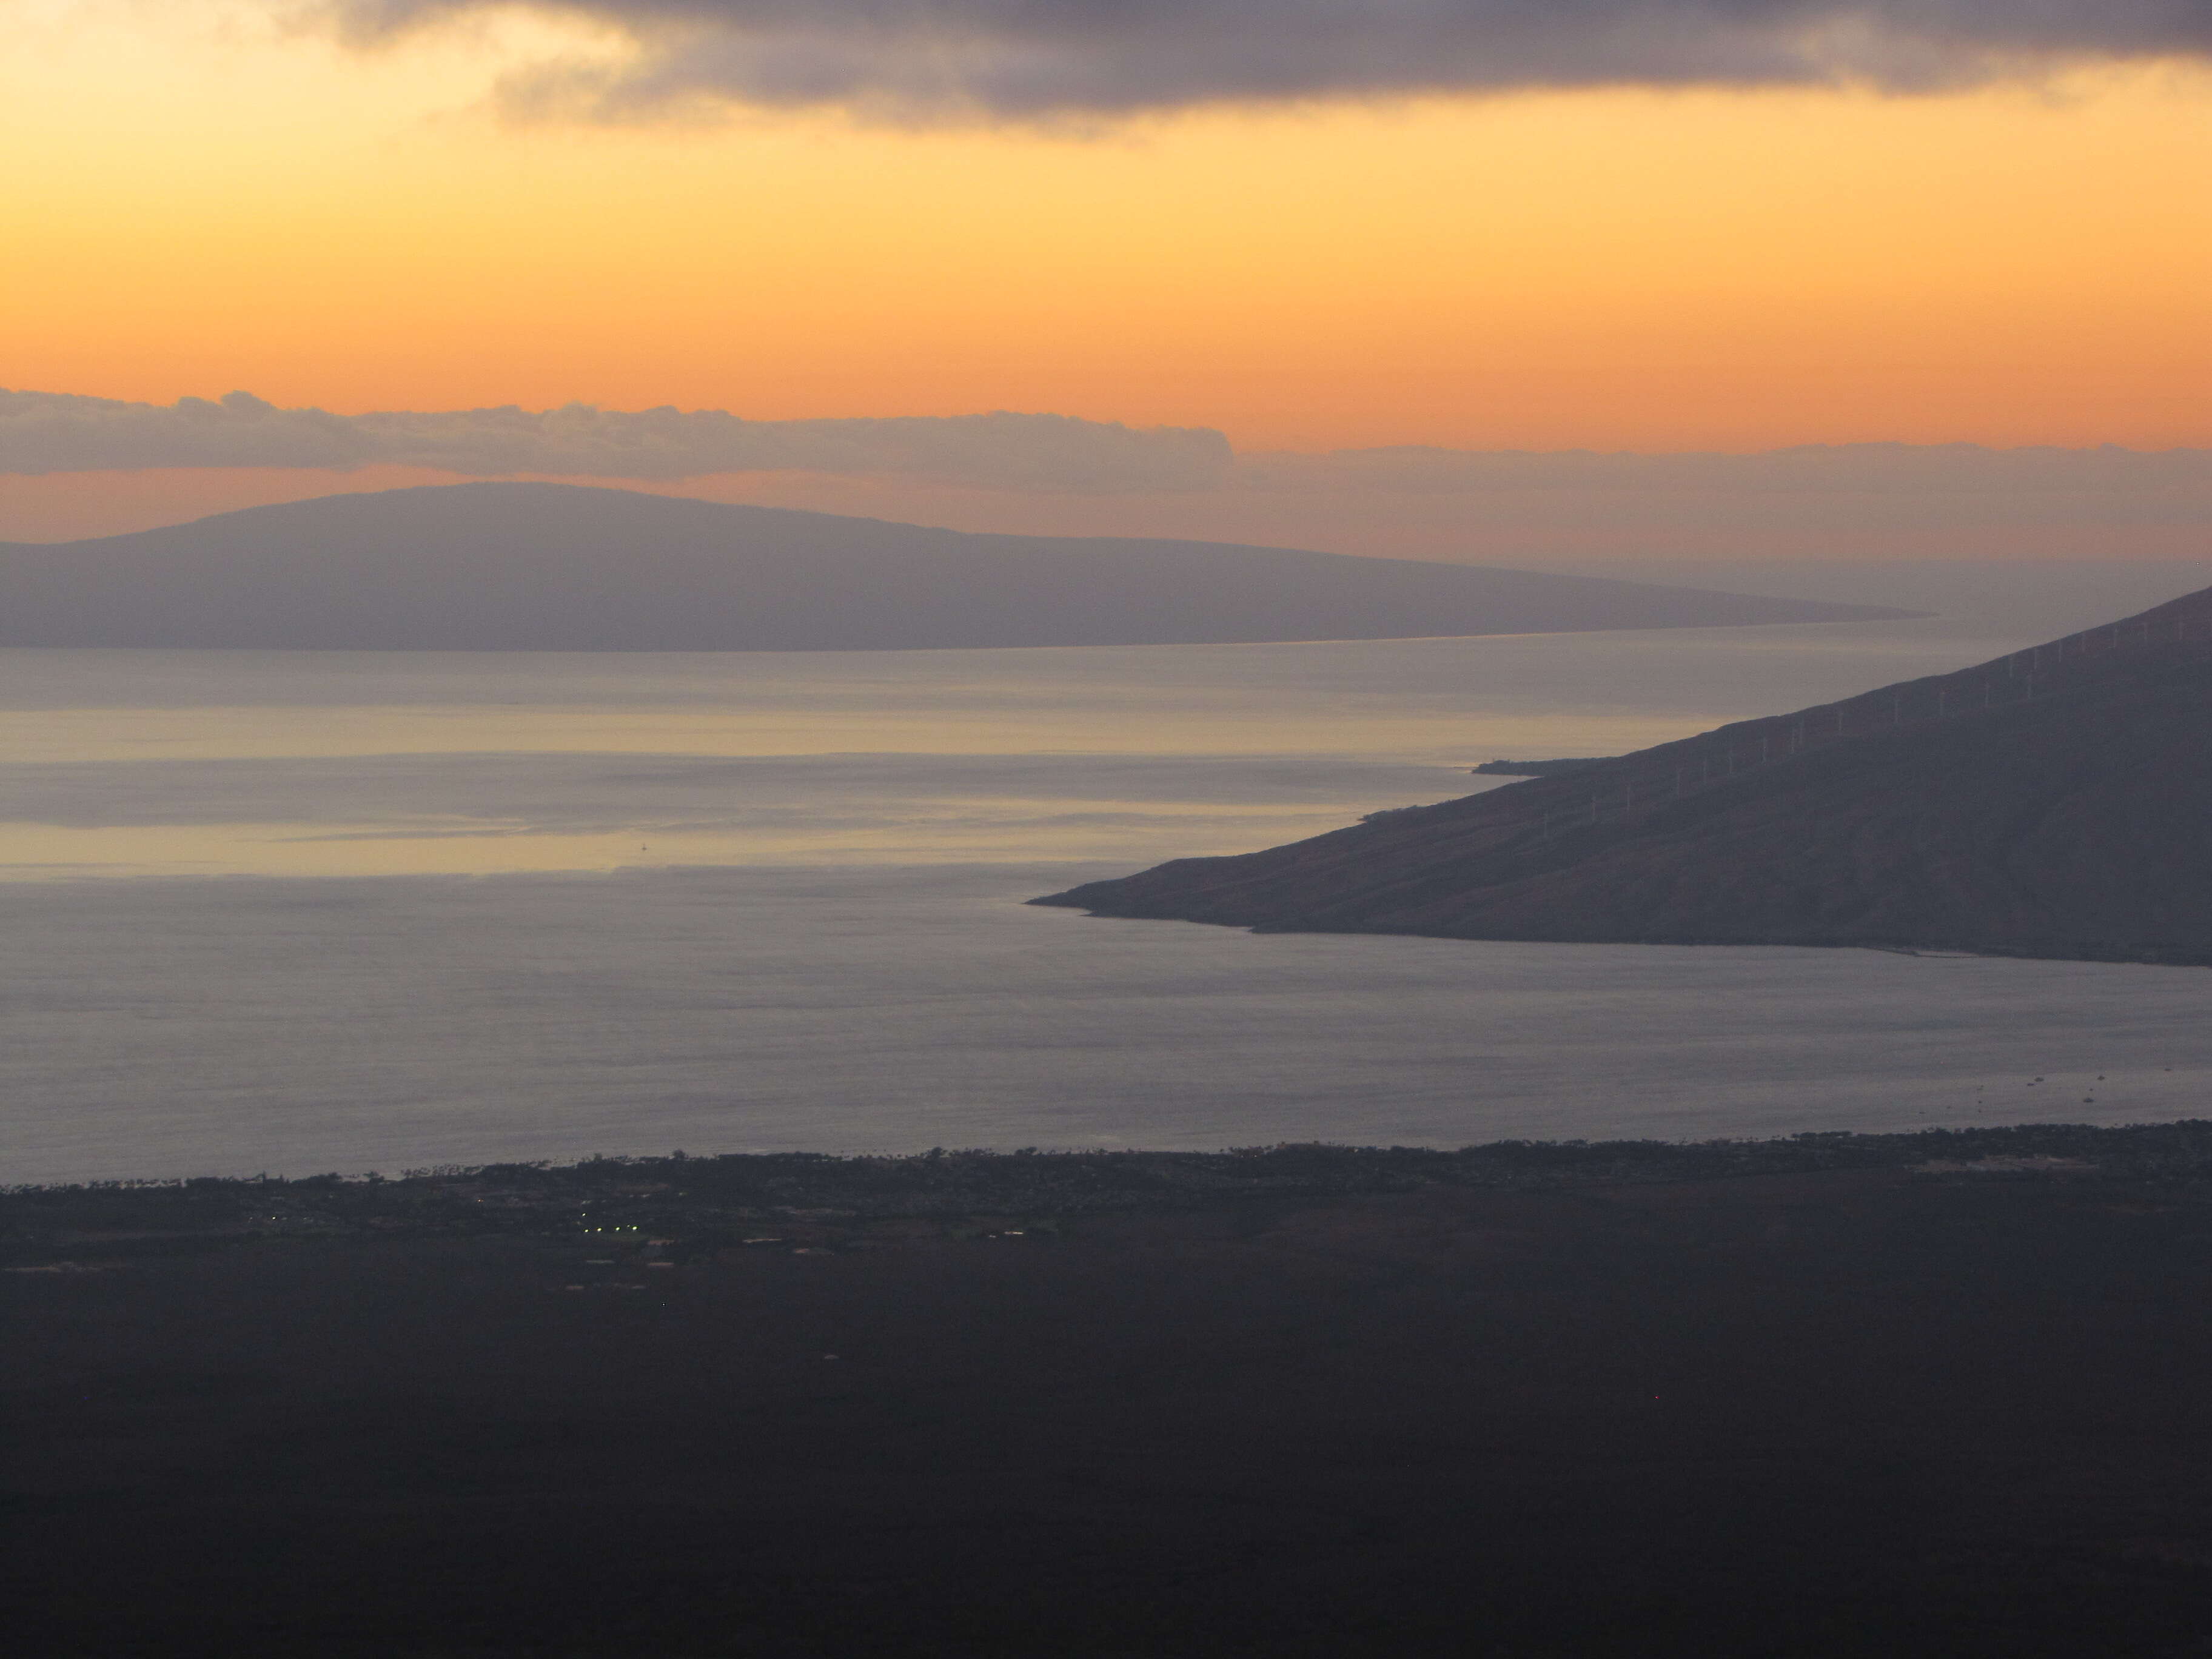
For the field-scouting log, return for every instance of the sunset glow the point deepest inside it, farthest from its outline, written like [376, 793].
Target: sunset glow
[218, 207]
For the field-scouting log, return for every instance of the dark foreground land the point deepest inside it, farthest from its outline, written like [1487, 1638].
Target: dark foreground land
[1939, 1394]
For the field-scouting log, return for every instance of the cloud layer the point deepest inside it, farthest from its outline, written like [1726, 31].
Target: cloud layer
[1045, 59]
[1863, 484]
[43, 432]
[1869, 485]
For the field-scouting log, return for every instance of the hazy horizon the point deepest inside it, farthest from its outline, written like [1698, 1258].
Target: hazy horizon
[79, 467]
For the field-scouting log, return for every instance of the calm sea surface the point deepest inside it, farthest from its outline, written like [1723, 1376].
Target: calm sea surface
[294, 911]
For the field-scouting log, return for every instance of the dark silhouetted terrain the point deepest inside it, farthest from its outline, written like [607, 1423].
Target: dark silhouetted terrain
[1827, 1398]
[2053, 803]
[496, 567]
[1534, 768]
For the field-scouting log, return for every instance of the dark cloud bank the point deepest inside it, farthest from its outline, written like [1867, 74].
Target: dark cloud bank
[1042, 59]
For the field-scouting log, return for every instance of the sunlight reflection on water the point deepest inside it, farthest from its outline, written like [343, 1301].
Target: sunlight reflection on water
[630, 903]
[338, 763]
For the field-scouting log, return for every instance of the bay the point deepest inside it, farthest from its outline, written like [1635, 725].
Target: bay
[299, 911]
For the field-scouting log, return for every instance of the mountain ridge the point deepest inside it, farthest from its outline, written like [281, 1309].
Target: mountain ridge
[564, 567]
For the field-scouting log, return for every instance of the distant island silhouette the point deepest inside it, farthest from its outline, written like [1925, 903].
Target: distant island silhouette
[2054, 802]
[538, 566]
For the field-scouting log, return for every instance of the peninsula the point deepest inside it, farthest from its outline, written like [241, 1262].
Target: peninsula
[2053, 802]
[1535, 768]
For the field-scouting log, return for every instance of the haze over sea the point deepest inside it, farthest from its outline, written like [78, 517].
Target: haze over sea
[304, 911]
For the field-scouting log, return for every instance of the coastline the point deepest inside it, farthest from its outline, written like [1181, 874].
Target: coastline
[701, 1204]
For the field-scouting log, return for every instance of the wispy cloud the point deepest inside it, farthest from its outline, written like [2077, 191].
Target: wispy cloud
[934, 60]
[44, 432]
[1837, 481]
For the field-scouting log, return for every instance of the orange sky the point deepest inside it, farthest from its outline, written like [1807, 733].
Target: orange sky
[205, 209]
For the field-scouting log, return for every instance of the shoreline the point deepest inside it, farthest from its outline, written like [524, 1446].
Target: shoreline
[704, 1203]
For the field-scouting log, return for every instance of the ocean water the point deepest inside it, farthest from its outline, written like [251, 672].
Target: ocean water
[299, 912]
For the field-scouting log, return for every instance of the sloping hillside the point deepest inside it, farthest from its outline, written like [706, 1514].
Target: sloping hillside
[558, 567]
[2056, 802]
